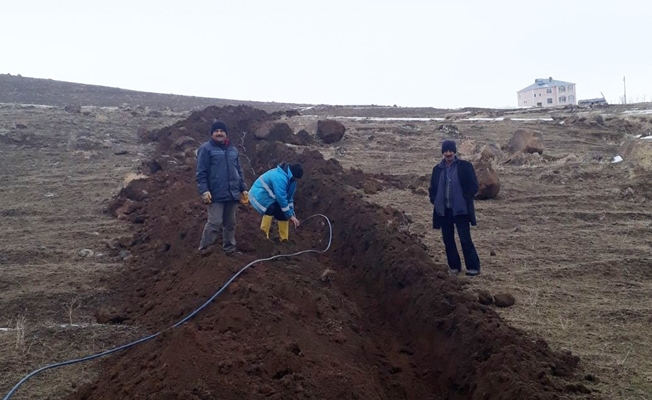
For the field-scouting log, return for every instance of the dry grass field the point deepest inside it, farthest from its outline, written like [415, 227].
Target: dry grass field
[565, 236]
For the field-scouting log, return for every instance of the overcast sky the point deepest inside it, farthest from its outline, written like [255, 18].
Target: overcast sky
[433, 53]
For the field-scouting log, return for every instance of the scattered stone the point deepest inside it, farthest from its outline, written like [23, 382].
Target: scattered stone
[420, 191]
[569, 159]
[327, 275]
[449, 130]
[73, 108]
[304, 137]
[185, 142]
[371, 187]
[492, 253]
[577, 388]
[628, 193]
[86, 253]
[599, 119]
[484, 297]
[120, 152]
[504, 300]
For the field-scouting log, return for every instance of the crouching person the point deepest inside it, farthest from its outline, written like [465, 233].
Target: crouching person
[272, 195]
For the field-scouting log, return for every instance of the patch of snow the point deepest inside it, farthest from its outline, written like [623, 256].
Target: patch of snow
[390, 119]
[532, 119]
[617, 159]
[637, 112]
[647, 138]
[484, 119]
[5, 329]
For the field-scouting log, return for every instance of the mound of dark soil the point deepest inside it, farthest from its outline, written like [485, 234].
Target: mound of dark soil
[373, 318]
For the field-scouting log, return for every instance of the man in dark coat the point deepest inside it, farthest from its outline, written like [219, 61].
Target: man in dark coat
[452, 187]
[220, 181]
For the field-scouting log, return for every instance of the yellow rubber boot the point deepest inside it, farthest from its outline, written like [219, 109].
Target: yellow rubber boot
[284, 230]
[266, 224]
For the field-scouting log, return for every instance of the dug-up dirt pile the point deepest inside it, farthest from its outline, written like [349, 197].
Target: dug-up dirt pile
[373, 318]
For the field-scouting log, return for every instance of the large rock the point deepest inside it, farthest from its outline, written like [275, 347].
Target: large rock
[185, 142]
[487, 180]
[278, 131]
[467, 147]
[490, 152]
[638, 151]
[504, 300]
[330, 131]
[526, 141]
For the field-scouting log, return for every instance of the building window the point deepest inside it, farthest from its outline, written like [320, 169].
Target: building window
[570, 88]
[562, 88]
[548, 90]
[549, 101]
[562, 99]
[571, 99]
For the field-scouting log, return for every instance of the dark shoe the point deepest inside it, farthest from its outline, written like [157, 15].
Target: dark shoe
[472, 272]
[202, 248]
[229, 251]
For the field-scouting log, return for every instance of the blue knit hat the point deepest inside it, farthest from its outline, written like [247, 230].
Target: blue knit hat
[218, 125]
[448, 145]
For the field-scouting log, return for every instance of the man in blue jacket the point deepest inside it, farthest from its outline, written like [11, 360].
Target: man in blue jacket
[272, 195]
[452, 187]
[220, 181]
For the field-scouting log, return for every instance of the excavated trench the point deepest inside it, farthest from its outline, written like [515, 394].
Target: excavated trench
[373, 318]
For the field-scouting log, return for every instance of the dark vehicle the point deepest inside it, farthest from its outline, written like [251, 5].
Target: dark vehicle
[593, 102]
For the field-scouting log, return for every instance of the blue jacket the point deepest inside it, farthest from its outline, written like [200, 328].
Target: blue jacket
[219, 171]
[275, 185]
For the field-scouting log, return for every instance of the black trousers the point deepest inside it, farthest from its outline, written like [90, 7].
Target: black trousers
[449, 222]
[275, 211]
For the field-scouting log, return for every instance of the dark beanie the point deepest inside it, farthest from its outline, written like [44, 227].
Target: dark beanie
[297, 170]
[218, 125]
[448, 145]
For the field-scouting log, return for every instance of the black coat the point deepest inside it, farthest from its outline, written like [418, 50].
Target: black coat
[469, 183]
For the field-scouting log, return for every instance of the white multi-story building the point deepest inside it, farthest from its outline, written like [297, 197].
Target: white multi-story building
[547, 93]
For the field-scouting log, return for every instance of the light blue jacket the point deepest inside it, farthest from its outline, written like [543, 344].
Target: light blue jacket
[275, 185]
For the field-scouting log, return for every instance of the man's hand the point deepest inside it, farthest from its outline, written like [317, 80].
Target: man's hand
[244, 197]
[206, 197]
[295, 221]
